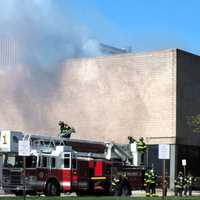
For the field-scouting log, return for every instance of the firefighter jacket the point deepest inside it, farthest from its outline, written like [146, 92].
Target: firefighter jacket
[149, 177]
[153, 177]
[179, 182]
[66, 132]
[141, 146]
[188, 180]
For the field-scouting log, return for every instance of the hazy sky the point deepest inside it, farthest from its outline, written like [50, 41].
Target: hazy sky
[142, 24]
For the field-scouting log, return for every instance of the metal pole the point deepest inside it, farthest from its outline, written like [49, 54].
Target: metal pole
[184, 170]
[24, 177]
[147, 157]
[163, 180]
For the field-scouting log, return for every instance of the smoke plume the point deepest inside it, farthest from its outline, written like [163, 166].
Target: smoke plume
[35, 38]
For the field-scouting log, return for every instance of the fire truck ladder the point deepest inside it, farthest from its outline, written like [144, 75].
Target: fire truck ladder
[116, 151]
[47, 144]
[43, 143]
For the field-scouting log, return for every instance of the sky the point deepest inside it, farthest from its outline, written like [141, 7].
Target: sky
[142, 24]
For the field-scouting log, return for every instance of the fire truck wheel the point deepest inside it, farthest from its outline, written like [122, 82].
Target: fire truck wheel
[52, 188]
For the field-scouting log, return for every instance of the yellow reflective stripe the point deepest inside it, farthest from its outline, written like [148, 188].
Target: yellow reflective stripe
[98, 178]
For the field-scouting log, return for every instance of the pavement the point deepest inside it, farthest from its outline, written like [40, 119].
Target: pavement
[141, 193]
[135, 193]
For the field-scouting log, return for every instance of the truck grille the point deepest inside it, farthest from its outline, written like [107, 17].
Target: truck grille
[15, 179]
[12, 178]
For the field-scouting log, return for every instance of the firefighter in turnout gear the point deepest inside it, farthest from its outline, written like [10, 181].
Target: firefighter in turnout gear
[150, 182]
[147, 182]
[152, 187]
[179, 182]
[116, 186]
[65, 130]
[121, 186]
[188, 181]
[141, 147]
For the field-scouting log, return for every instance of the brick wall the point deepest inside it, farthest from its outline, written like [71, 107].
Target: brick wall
[109, 98]
[105, 98]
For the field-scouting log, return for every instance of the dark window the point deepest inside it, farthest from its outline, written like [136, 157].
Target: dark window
[44, 161]
[74, 164]
[15, 139]
[53, 162]
[67, 161]
[39, 162]
[31, 161]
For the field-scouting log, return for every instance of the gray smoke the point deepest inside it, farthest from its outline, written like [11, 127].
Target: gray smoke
[42, 37]
[45, 35]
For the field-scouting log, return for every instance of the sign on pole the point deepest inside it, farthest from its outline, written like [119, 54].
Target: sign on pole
[24, 148]
[164, 151]
[184, 163]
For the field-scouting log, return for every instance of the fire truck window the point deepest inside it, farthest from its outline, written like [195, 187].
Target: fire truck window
[53, 162]
[74, 164]
[44, 161]
[15, 139]
[66, 162]
[31, 161]
[39, 162]
[18, 162]
[12, 161]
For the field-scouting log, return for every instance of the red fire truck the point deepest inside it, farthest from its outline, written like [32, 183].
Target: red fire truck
[56, 165]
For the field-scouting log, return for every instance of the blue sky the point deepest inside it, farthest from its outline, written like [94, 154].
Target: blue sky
[143, 24]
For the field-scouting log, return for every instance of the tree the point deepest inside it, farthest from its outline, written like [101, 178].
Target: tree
[194, 122]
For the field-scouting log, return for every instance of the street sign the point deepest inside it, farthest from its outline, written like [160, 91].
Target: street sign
[184, 163]
[24, 148]
[163, 151]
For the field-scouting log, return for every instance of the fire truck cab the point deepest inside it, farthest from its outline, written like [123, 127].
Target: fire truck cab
[56, 165]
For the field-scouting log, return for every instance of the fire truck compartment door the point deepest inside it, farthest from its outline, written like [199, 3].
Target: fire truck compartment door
[83, 174]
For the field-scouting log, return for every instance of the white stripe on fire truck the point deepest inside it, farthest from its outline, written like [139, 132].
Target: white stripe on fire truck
[66, 183]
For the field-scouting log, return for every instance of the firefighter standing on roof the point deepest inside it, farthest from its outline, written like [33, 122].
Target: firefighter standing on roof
[65, 130]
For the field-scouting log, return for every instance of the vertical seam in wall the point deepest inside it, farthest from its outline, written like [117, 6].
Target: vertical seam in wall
[173, 95]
